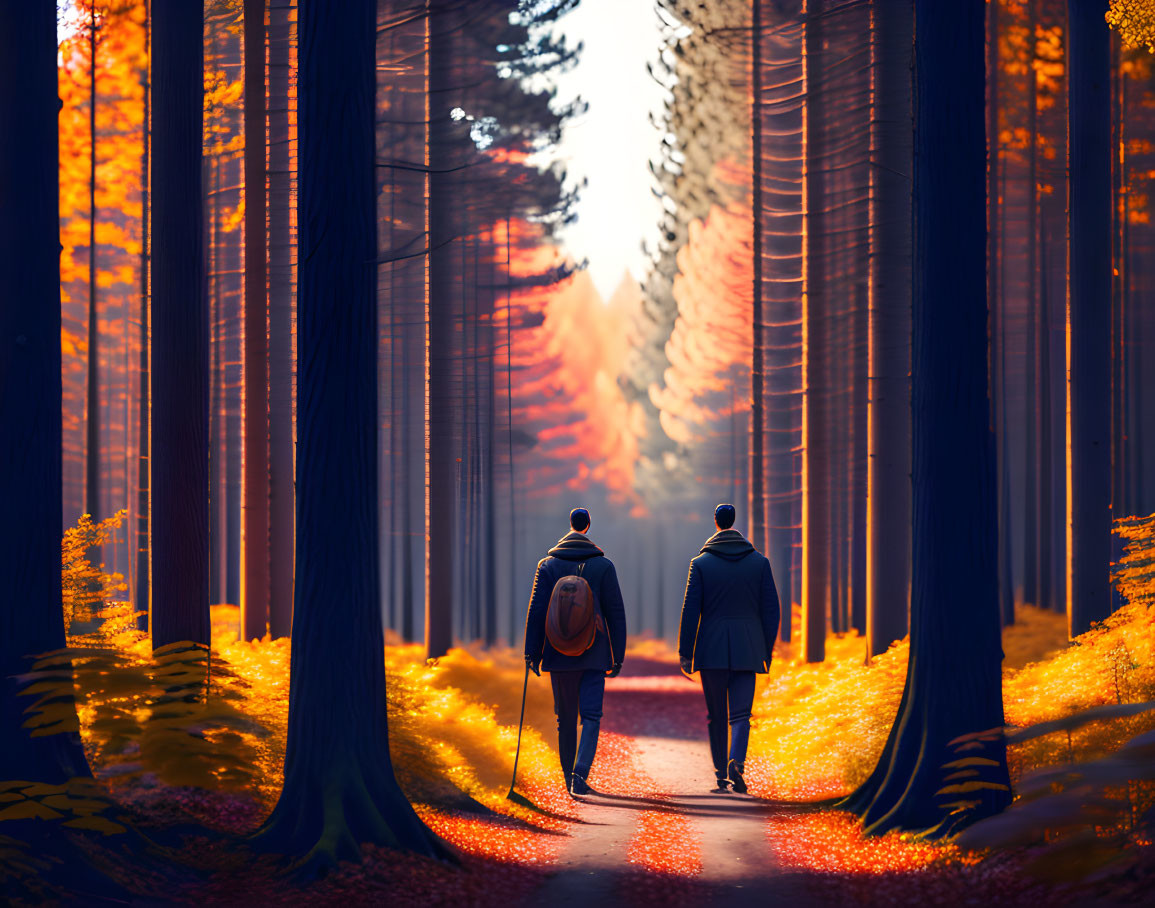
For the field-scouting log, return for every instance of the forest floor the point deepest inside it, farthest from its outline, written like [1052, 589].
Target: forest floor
[655, 834]
[190, 794]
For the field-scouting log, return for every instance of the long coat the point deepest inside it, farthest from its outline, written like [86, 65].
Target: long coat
[561, 561]
[730, 614]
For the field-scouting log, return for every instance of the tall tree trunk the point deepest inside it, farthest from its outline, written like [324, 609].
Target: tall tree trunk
[440, 472]
[1089, 330]
[816, 528]
[92, 402]
[513, 612]
[1031, 398]
[281, 290]
[180, 332]
[782, 143]
[1120, 311]
[31, 616]
[1045, 590]
[143, 554]
[757, 369]
[340, 791]
[1006, 511]
[255, 432]
[490, 500]
[953, 683]
[888, 410]
[218, 536]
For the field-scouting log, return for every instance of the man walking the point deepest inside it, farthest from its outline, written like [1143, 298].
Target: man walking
[729, 624]
[579, 681]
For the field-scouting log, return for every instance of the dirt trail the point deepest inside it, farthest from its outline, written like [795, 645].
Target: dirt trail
[673, 813]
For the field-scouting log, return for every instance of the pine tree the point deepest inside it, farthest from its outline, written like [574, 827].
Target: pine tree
[31, 617]
[340, 791]
[954, 681]
[180, 331]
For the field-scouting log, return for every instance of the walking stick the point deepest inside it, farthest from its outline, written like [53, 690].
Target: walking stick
[513, 795]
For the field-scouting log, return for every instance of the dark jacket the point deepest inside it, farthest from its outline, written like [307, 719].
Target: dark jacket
[730, 614]
[599, 573]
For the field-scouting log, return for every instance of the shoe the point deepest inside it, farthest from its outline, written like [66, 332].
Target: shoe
[722, 786]
[579, 786]
[735, 771]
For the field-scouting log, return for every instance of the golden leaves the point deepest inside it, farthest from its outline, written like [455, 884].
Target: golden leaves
[1135, 22]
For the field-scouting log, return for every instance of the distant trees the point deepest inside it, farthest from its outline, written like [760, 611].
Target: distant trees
[954, 682]
[455, 181]
[31, 616]
[180, 331]
[339, 789]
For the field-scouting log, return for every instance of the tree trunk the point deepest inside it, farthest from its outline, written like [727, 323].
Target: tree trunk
[1089, 337]
[816, 529]
[953, 683]
[1031, 398]
[757, 369]
[440, 472]
[781, 224]
[255, 432]
[281, 290]
[996, 301]
[31, 616]
[180, 381]
[92, 402]
[888, 410]
[143, 600]
[513, 611]
[340, 791]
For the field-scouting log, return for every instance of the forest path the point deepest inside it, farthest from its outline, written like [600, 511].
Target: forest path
[655, 834]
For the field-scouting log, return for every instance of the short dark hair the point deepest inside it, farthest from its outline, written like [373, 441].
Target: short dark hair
[579, 519]
[724, 516]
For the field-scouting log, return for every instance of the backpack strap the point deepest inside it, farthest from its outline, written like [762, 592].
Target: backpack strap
[599, 618]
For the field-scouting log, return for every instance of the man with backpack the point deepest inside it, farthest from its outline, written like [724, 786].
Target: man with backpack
[576, 631]
[729, 624]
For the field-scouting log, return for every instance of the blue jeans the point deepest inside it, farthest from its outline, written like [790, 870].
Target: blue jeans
[574, 693]
[729, 700]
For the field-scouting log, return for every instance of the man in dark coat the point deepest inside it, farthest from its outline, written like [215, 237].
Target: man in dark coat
[729, 624]
[579, 682]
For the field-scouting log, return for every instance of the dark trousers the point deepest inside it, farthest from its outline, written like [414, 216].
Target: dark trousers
[574, 693]
[729, 699]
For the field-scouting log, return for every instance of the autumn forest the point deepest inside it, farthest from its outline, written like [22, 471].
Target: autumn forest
[315, 324]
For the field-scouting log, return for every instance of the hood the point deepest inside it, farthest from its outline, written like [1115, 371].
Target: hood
[728, 544]
[575, 546]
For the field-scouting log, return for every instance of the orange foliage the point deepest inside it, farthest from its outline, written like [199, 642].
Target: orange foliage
[120, 67]
[833, 842]
[710, 347]
[666, 843]
[566, 360]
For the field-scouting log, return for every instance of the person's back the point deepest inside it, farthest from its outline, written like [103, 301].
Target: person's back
[574, 552]
[578, 681]
[729, 622]
[736, 582]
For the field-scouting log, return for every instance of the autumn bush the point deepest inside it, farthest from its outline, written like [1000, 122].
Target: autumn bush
[216, 719]
[818, 728]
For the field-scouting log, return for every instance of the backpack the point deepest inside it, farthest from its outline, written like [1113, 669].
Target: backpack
[572, 619]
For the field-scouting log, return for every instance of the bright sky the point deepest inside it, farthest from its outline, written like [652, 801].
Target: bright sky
[612, 143]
